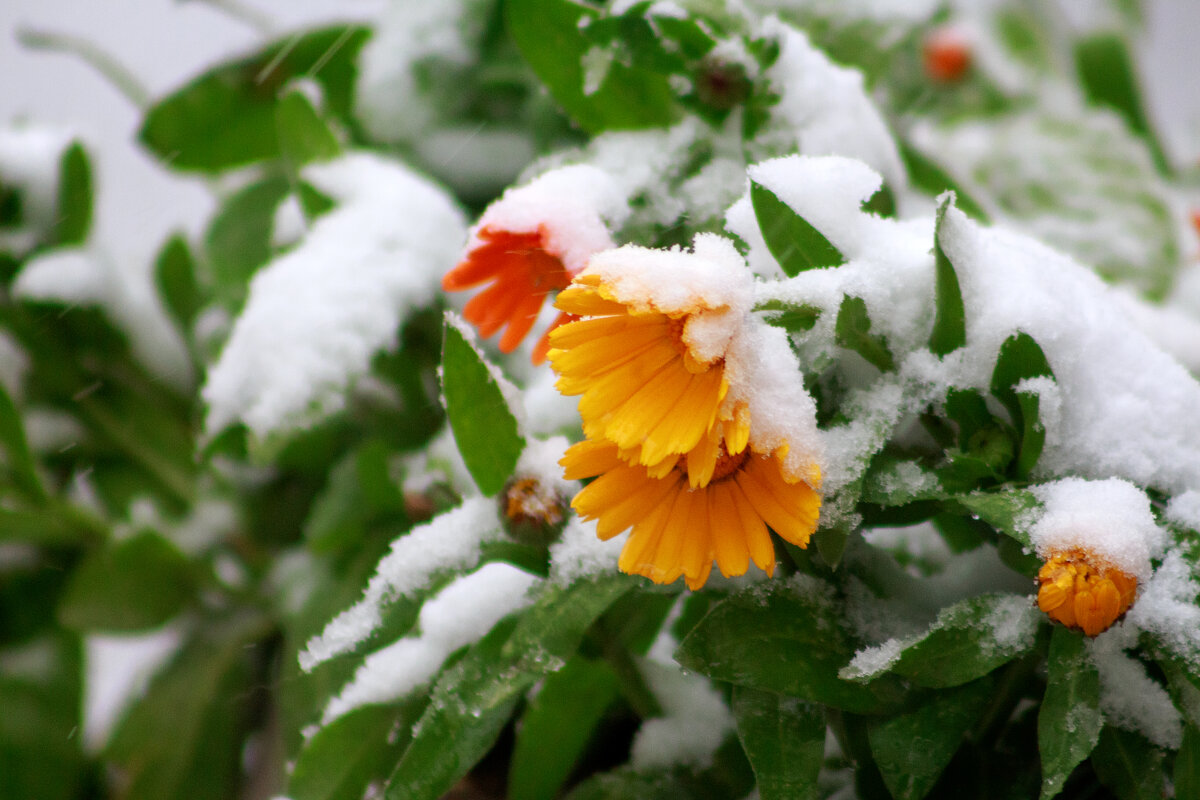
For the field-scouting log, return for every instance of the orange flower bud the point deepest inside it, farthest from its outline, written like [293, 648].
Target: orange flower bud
[947, 55]
[1083, 595]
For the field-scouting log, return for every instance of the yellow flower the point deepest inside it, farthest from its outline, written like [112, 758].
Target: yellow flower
[679, 528]
[644, 385]
[1082, 594]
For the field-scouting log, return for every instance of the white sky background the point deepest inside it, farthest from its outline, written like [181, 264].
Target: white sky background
[167, 42]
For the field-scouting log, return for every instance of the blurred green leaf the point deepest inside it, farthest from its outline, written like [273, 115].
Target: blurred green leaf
[949, 323]
[1131, 767]
[551, 37]
[40, 702]
[183, 739]
[485, 429]
[1069, 721]
[970, 639]
[912, 749]
[132, 585]
[175, 278]
[226, 118]
[19, 462]
[557, 725]
[238, 240]
[74, 217]
[303, 135]
[784, 738]
[796, 245]
[853, 331]
[1187, 764]
[1106, 70]
[1003, 510]
[347, 754]
[790, 623]
[931, 178]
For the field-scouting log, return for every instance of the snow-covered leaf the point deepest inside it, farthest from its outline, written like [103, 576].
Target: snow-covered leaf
[792, 240]
[949, 324]
[1021, 358]
[1069, 721]
[853, 331]
[791, 623]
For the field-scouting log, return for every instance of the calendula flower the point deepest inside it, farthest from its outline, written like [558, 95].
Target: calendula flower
[648, 354]
[1082, 594]
[528, 244]
[680, 529]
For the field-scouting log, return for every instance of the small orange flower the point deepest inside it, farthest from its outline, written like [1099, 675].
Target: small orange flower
[680, 528]
[947, 55]
[1083, 595]
[522, 273]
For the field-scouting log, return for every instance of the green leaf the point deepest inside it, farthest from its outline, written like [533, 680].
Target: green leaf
[74, 218]
[800, 643]
[473, 700]
[238, 240]
[1106, 71]
[347, 754]
[792, 318]
[1069, 722]
[784, 739]
[551, 37]
[183, 739]
[1003, 510]
[40, 754]
[485, 429]
[1129, 765]
[227, 117]
[303, 135]
[794, 243]
[949, 323]
[175, 278]
[1020, 358]
[360, 492]
[1187, 764]
[853, 330]
[912, 749]
[132, 585]
[557, 725]
[21, 467]
[931, 178]
[969, 411]
[970, 639]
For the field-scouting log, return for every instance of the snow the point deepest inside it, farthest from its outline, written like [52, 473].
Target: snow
[29, 162]
[389, 97]
[539, 460]
[449, 541]
[579, 553]
[1127, 408]
[458, 615]
[127, 294]
[1184, 509]
[870, 662]
[1130, 698]
[117, 670]
[1109, 519]
[824, 108]
[317, 314]
[1166, 607]
[572, 206]
[695, 719]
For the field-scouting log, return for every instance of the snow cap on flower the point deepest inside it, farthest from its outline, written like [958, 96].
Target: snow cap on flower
[1097, 539]
[529, 243]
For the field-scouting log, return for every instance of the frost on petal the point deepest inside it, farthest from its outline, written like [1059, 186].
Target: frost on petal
[459, 615]
[317, 314]
[450, 541]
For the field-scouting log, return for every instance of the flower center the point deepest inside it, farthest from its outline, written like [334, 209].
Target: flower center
[726, 464]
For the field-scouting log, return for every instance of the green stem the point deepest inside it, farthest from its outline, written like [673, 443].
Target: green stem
[101, 60]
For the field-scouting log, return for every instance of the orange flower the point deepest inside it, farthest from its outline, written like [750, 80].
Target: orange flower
[679, 529]
[1082, 594]
[947, 55]
[522, 273]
